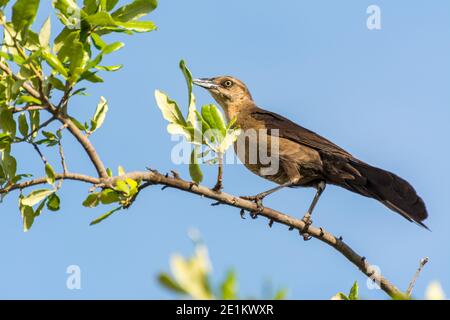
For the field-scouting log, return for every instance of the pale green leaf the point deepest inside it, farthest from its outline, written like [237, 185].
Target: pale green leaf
[50, 173]
[103, 217]
[36, 196]
[99, 115]
[44, 34]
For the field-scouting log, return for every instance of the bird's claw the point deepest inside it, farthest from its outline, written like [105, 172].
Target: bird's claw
[256, 199]
[218, 187]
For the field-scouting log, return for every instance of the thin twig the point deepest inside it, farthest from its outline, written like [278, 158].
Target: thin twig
[422, 263]
[27, 108]
[41, 155]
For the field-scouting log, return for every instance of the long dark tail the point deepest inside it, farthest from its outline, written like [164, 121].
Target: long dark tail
[391, 190]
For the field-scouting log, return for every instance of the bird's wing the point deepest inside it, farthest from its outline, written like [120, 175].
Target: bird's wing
[292, 131]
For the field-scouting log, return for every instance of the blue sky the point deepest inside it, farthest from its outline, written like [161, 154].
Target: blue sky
[382, 95]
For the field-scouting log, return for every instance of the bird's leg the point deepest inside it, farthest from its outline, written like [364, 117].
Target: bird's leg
[219, 185]
[260, 196]
[320, 188]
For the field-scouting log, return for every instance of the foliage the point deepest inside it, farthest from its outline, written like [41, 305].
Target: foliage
[205, 130]
[191, 277]
[353, 294]
[57, 62]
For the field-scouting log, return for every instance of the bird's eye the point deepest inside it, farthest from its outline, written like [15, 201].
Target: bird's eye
[228, 83]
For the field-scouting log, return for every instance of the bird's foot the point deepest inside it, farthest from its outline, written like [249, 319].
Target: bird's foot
[308, 221]
[218, 187]
[258, 200]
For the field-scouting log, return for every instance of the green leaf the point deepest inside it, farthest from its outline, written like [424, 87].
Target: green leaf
[110, 48]
[214, 117]
[5, 141]
[92, 200]
[54, 63]
[50, 173]
[123, 187]
[109, 68]
[78, 124]
[53, 202]
[353, 295]
[24, 13]
[36, 196]
[28, 99]
[169, 283]
[103, 217]
[23, 125]
[34, 121]
[280, 294]
[339, 296]
[192, 117]
[138, 26]
[9, 165]
[3, 3]
[99, 115]
[27, 216]
[98, 41]
[120, 171]
[44, 34]
[7, 123]
[69, 13]
[194, 168]
[109, 196]
[169, 108]
[56, 83]
[229, 286]
[109, 172]
[134, 10]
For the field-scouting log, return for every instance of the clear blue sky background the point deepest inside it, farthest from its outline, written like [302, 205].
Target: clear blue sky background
[383, 95]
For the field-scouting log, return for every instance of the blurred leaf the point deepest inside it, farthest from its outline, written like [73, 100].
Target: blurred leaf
[36, 196]
[24, 13]
[229, 286]
[103, 217]
[99, 115]
[120, 171]
[194, 168]
[434, 291]
[339, 296]
[134, 10]
[23, 125]
[53, 202]
[169, 283]
[44, 34]
[50, 173]
[192, 274]
[280, 294]
[353, 295]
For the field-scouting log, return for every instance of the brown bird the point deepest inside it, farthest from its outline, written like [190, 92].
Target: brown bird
[305, 158]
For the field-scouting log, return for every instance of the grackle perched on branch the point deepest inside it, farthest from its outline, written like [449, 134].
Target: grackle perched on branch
[305, 158]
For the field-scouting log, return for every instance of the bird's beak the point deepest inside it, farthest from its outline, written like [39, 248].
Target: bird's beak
[205, 83]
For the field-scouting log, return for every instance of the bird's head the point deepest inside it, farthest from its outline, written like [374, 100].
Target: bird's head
[229, 92]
